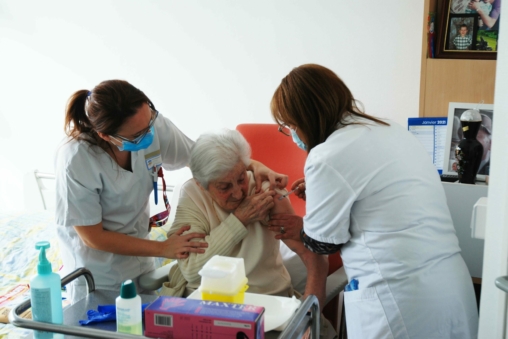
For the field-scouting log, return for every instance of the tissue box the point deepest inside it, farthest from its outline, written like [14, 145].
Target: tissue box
[172, 317]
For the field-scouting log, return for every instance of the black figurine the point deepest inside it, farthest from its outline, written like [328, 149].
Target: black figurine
[469, 152]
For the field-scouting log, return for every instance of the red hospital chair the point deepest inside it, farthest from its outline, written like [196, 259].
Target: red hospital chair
[280, 153]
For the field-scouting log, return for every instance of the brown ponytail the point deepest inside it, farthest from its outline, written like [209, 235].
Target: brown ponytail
[76, 120]
[104, 110]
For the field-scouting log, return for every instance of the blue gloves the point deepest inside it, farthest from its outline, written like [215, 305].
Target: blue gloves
[352, 286]
[103, 313]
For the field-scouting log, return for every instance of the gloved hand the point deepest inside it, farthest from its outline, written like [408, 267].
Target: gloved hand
[103, 313]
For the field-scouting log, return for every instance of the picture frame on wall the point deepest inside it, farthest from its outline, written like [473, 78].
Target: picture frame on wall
[454, 136]
[468, 29]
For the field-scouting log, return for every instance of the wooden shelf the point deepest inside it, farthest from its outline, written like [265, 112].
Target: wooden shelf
[452, 80]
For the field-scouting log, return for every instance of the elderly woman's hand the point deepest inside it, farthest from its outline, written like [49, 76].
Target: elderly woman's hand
[286, 226]
[178, 246]
[263, 173]
[255, 207]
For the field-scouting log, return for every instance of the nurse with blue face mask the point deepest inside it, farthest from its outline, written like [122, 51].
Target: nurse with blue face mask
[105, 170]
[298, 141]
[372, 194]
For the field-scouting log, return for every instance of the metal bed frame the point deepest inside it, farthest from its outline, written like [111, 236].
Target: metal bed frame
[307, 316]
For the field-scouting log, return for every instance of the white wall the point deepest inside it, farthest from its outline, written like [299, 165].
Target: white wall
[205, 64]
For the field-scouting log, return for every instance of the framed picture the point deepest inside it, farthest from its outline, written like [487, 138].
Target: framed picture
[468, 29]
[454, 136]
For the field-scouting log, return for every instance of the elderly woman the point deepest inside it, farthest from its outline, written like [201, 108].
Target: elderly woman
[221, 201]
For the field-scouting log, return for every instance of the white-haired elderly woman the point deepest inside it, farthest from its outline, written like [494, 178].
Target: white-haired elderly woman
[221, 202]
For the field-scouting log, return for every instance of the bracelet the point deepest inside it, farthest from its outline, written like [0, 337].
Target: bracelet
[302, 235]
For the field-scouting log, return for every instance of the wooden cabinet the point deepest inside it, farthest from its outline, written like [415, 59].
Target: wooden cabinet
[452, 80]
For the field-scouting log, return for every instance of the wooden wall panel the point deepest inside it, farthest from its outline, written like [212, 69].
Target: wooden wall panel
[452, 80]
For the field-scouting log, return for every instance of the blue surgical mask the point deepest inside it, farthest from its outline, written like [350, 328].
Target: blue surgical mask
[297, 140]
[144, 143]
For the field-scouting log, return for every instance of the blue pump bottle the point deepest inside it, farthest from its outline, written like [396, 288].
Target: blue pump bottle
[45, 292]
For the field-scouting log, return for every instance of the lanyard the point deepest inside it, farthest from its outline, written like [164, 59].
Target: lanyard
[161, 218]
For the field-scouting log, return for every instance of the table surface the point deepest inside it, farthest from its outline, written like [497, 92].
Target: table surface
[77, 311]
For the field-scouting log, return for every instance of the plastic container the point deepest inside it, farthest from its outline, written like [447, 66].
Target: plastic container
[128, 309]
[223, 279]
[45, 292]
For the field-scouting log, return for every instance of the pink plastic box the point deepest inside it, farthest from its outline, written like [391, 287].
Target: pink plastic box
[171, 317]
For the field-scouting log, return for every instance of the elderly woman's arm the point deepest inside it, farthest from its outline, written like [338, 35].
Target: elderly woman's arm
[262, 173]
[221, 240]
[282, 205]
[283, 220]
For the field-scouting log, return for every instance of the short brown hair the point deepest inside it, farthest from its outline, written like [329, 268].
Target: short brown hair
[317, 101]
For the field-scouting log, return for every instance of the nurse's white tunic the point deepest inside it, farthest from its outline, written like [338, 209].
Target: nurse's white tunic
[374, 189]
[91, 188]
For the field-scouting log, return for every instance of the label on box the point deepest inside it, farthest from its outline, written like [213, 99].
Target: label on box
[172, 317]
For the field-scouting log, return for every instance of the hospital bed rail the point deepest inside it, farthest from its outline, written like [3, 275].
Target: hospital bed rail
[303, 319]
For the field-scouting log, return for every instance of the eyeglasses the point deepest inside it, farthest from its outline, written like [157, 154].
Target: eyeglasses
[284, 129]
[160, 219]
[138, 139]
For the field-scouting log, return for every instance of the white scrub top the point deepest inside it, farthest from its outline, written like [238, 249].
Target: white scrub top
[374, 189]
[92, 187]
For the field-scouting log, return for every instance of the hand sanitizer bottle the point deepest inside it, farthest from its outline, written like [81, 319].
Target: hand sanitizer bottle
[128, 310]
[45, 292]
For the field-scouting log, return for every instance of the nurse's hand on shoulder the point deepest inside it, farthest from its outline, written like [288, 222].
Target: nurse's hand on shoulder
[255, 207]
[179, 246]
[300, 184]
[263, 173]
[286, 226]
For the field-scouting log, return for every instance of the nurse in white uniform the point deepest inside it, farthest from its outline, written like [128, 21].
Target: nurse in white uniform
[105, 171]
[372, 193]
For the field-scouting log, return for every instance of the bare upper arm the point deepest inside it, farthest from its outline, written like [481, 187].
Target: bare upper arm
[282, 206]
[90, 234]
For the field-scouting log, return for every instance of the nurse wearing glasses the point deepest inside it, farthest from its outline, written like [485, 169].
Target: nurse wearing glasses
[105, 171]
[372, 194]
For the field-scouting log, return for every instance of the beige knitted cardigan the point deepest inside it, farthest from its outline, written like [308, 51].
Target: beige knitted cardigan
[226, 236]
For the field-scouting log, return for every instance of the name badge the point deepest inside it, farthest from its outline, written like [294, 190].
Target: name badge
[153, 159]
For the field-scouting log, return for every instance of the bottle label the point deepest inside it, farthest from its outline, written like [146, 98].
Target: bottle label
[41, 304]
[128, 321]
[132, 329]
